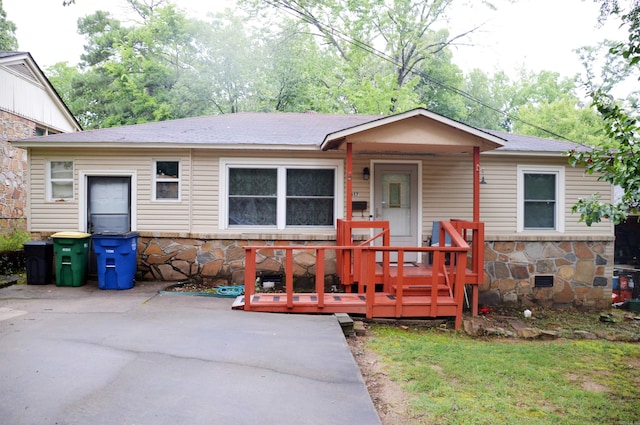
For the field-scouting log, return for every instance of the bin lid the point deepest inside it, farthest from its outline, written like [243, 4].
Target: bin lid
[115, 234]
[71, 235]
[37, 243]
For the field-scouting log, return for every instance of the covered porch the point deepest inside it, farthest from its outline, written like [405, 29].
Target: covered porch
[384, 264]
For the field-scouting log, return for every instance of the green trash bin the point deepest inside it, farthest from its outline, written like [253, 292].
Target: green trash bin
[71, 251]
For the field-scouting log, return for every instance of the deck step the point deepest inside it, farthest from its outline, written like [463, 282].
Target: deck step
[346, 323]
[422, 290]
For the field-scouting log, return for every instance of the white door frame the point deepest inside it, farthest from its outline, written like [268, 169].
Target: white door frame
[82, 190]
[372, 167]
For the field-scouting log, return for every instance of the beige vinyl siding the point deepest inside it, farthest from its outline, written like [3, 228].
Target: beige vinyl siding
[447, 185]
[498, 198]
[580, 185]
[150, 215]
[46, 216]
[361, 187]
[205, 181]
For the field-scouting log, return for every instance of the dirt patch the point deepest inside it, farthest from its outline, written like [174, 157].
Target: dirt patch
[390, 400]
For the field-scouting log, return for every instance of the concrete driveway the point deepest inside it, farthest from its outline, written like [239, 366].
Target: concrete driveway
[80, 355]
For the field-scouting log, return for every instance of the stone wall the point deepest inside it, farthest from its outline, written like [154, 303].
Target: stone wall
[222, 262]
[13, 166]
[580, 273]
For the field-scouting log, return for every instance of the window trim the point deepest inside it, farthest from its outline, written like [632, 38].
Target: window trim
[281, 165]
[50, 181]
[155, 180]
[559, 172]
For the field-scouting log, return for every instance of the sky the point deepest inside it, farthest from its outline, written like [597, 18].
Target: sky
[534, 34]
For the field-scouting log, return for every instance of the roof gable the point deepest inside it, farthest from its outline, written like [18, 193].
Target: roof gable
[23, 84]
[418, 129]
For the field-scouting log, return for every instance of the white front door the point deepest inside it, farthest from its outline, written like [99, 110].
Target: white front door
[396, 200]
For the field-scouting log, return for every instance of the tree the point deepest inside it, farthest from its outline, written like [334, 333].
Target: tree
[384, 45]
[8, 41]
[546, 105]
[616, 161]
[137, 73]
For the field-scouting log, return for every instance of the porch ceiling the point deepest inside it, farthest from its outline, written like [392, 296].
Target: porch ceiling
[414, 132]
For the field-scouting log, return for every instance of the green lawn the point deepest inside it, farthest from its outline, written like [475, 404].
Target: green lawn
[455, 379]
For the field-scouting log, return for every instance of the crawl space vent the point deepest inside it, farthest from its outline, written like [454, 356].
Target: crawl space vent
[543, 281]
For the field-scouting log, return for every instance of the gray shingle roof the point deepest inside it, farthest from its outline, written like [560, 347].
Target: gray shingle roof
[245, 128]
[519, 142]
[259, 129]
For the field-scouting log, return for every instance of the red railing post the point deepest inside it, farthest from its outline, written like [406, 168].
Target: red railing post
[289, 277]
[249, 276]
[369, 275]
[458, 286]
[320, 276]
[400, 283]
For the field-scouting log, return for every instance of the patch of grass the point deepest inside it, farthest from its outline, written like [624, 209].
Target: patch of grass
[454, 379]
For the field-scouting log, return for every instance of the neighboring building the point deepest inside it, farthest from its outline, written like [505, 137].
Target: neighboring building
[199, 189]
[29, 106]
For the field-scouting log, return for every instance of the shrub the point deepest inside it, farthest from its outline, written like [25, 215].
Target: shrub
[13, 240]
[11, 253]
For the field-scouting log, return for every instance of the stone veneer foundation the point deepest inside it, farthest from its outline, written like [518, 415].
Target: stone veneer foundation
[221, 262]
[13, 165]
[579, 270]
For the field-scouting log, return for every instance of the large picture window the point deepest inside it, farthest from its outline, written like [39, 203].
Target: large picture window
[60, 177]
[280, 196]
[540, 198]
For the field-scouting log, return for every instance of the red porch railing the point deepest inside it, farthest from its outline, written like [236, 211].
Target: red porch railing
[403, 290]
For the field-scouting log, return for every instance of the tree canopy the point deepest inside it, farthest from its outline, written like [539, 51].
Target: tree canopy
[616, 160]
[8, 41]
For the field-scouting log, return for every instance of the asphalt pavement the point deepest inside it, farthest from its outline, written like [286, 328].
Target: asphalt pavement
[81, 355]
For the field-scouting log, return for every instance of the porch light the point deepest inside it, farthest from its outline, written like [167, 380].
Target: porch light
[482, 180]
[365, 173]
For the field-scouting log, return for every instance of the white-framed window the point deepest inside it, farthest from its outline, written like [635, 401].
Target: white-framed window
[60, 180]
[280, 194]
[540, 198]
[166, 180]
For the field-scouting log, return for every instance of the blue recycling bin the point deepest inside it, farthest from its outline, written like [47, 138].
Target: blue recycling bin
[116, 256]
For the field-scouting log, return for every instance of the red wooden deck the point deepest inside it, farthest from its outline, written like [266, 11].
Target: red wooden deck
[375, 287]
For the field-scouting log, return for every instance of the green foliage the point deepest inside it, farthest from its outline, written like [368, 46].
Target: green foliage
[452, 379]
[615, 160]
[8, 41]
[13, 240]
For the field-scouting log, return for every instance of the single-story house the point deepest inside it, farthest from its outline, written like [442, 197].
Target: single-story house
[29, 106]
[199, 190]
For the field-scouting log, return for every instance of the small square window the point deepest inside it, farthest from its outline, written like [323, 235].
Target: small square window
[60, 178]
[167, 180]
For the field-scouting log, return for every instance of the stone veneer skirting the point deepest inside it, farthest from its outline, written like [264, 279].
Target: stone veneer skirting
[580, 272]
[222, 261]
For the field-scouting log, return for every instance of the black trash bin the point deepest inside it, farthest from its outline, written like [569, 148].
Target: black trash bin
[38, 257]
